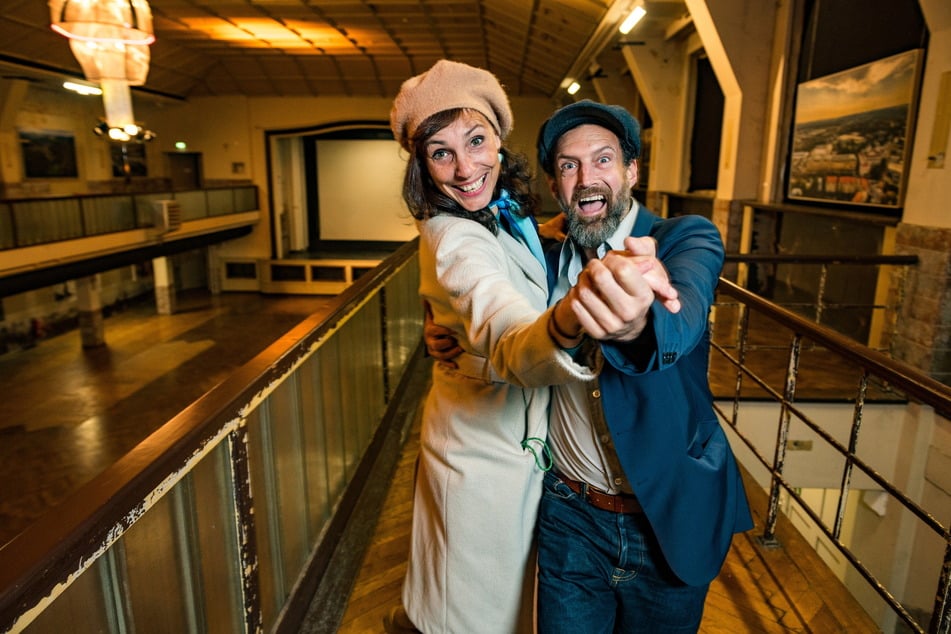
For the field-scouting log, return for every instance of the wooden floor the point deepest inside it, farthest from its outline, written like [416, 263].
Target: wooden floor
[68, 412]
[785, 589]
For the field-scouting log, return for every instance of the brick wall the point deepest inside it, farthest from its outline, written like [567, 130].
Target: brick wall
[923, 330]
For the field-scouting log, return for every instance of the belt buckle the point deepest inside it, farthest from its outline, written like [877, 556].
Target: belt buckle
[589, 495]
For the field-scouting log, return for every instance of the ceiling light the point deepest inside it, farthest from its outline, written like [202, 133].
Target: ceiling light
[633, 18]
[118, 134]
[110, 39]
[128, 134]
[574, 87]
[82, 89]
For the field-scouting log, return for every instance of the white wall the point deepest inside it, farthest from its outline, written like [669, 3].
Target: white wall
[360, 191]
[821, 467]
[929, 189]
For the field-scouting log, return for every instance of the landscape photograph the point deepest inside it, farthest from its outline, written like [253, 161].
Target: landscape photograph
[849, 138]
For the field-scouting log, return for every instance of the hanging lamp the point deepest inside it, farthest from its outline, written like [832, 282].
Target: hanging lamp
[110, 39]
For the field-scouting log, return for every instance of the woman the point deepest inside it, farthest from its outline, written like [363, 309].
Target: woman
[482, 444]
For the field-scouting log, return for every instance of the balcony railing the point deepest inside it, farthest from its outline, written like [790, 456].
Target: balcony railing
[856, 295]
[212, 523]
[782, 364]
[32, 221]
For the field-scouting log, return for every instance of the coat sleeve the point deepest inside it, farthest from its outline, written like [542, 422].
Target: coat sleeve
[692, 252]
[499, 322]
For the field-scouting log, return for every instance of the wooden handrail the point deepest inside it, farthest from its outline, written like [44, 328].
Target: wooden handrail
[899, 374]
[38, 559]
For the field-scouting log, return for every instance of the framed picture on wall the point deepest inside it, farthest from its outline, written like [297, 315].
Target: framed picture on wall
[851, 131]
[48, 154]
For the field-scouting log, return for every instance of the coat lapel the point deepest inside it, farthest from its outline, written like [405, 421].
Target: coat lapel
[523, 258]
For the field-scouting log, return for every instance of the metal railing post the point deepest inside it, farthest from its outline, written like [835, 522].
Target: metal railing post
[821, 292]
[743, 329]
[941, 616]
[782, 435]
[850, 456]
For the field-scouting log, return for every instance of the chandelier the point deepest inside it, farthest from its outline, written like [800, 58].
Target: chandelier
[110, 39]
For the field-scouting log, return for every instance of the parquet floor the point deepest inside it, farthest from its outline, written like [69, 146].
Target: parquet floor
[759, 590]
[68, 412]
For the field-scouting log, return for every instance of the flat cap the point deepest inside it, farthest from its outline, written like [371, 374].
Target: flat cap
[446, 86]
[615, 118]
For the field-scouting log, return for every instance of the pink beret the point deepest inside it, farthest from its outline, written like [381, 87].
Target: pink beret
[445, 86]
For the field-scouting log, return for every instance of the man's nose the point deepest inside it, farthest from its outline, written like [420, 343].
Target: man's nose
[585, 175]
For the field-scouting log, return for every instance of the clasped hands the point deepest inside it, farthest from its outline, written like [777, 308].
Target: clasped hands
[614, 294]
[611, 301]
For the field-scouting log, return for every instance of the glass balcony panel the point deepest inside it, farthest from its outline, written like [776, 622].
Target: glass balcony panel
[315, 446]
[220, 202]
[283, 407]
[217, 542]
[41, 221]
[108, 214]
[270, 576]
[404, 329]
[145, 208]
[332, 401]
[194, 204]
[352, 410]
[83, 602]
[158, 566]
[245, 199]
[368, 371]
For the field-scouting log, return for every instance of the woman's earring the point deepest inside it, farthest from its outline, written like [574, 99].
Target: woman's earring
[501, 158]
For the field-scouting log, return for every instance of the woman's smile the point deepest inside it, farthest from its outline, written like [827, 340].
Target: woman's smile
[463, 160]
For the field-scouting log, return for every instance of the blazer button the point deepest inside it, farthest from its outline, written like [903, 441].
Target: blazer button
[670, 357]
[596, 394]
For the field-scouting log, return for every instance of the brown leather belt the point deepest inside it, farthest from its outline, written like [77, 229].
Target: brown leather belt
[621, 503]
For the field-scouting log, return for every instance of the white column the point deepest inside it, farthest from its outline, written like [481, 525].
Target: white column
[164, 278]
[92, 328]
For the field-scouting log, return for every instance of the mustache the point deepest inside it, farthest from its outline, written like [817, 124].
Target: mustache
[589, 191]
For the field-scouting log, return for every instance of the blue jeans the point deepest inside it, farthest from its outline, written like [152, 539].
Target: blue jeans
[600, 571]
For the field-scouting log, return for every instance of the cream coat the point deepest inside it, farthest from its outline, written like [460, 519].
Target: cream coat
[472, 565]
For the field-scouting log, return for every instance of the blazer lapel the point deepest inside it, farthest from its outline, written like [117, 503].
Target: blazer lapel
[644, 222]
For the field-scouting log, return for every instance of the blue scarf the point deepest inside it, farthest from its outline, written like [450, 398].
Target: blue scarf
[525, 230]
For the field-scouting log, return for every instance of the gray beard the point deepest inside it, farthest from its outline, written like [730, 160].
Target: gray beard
[590, 234]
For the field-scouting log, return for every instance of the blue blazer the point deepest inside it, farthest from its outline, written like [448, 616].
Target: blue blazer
[659, 408]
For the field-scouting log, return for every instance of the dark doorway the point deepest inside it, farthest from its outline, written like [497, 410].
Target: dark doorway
[184, 170]
[707, 129]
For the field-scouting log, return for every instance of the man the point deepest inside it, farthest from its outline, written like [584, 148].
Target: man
[639, 511]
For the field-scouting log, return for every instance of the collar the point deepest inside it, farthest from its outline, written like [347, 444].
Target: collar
[571, 260]
[624, 229]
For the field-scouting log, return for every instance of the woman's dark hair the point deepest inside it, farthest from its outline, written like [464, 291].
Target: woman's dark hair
[426, 200]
